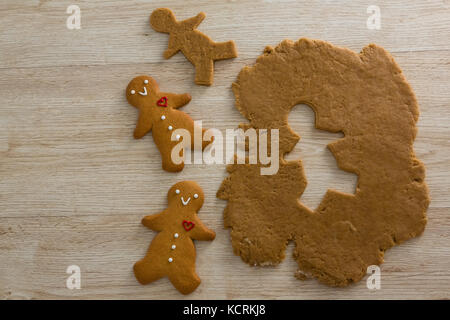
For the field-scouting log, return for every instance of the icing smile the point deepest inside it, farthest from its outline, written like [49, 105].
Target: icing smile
[185, 202]
[143, 93]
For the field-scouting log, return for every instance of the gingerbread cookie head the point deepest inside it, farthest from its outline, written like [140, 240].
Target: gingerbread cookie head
[139, 89]
[163, 20]
[186, 195]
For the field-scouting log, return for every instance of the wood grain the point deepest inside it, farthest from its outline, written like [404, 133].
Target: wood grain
[74, 184]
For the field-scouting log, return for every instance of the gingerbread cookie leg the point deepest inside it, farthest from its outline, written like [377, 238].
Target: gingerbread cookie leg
[204, 72]
[185, 281]
[146, 271]
[205, 143]
[166, 157]
[224, 50]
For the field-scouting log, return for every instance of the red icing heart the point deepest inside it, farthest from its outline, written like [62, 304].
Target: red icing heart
[188, 225]
[162, 102]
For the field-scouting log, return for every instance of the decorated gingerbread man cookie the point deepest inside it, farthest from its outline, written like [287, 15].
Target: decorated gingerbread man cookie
[157, 112]
[172, 251]
[198, 48]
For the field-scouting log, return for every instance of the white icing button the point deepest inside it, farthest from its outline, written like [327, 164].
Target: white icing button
[133, 91]
[178, 137]
[163, 117]
[170, 127]
[195, 196]
[177, 191]
[146, 81]
[175, 235]
[170, 259]
[173, 247]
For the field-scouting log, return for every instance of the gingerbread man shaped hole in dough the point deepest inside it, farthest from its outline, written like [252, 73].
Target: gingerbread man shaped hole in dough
[172, 251]
[158, 112]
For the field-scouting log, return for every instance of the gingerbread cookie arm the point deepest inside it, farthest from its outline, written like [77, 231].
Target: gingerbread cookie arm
[201, 232]
[155, 222]
[194, 22]
[143, 126]
[178, 100]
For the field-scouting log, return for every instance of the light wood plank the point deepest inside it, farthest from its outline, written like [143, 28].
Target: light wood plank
[116, 32]
[36, 252]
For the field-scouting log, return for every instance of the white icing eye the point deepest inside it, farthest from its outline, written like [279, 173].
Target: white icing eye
[177, 191]
[146, 81]
[175, 235]
[178, 137]
[170, 128]
[163, 117]
[133, 91]
[195, 196]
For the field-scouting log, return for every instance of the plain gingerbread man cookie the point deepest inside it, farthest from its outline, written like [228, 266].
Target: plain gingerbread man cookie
[158, 113]
[198, 48]
[172, 253]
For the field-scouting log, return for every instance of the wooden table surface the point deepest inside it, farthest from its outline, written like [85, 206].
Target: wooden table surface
[74, 184]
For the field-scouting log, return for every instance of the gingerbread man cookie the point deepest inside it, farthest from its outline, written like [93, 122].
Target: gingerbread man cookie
[198, 48]
[172, 251]
[157, 112]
